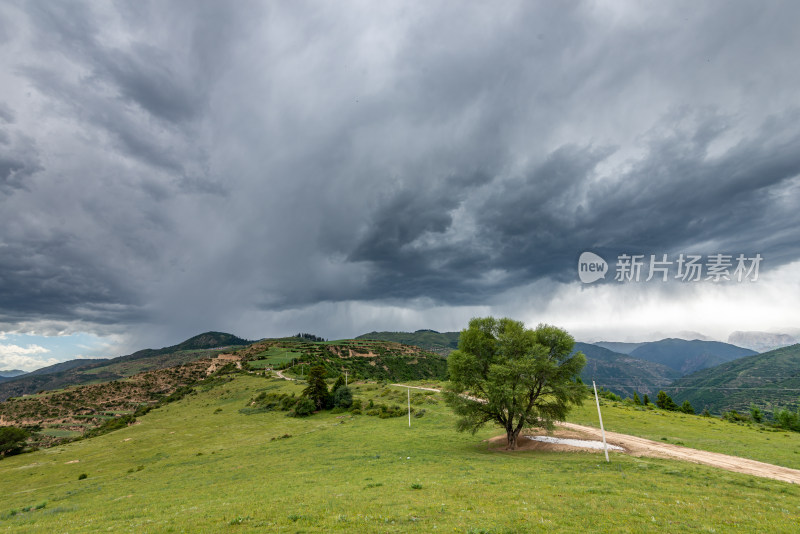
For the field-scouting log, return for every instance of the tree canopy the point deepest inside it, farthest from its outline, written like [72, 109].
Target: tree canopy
[513, 376]
[317, 389]
[12, 440]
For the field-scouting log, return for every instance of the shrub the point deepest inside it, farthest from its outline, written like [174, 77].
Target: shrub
[735, 417]
[756, 414]
[112, 424]
[82, 476]
[304, 407]
[788, 420]
[12, 440]
[342, 397]
[610, 395]
[686, 407]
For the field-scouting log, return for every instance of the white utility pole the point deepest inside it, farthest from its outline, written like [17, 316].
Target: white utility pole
[345, 378]
[409, 407]
[602, 430]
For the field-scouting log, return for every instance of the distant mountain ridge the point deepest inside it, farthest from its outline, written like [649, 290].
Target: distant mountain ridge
[10, 374]
[618, 346]
[621, 373]
[686, 357]
[770, 380]
[67, 365]
[77, 372]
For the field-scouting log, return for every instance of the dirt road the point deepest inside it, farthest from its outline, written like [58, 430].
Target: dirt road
[644, 447]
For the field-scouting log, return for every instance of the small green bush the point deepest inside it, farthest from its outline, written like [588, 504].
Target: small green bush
[342, 397]
[82, 476]
[304, 407]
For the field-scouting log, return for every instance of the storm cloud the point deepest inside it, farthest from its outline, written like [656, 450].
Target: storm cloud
[180, 166]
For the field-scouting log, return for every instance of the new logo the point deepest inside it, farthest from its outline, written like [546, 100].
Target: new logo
[591, 267]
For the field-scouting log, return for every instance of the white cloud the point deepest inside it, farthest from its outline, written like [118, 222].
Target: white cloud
[25, 358]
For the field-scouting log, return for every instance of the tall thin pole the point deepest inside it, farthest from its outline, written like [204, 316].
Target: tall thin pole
[409, 407]
[345, 378]
[602, 430]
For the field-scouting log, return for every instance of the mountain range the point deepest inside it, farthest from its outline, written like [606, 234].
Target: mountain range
[769, 380]
[86, 371]
[700, 371]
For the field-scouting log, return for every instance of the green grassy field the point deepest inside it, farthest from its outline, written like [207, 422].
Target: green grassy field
[274, 356]
[201, 465]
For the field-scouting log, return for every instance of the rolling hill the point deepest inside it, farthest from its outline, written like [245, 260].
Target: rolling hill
[770, 380]
[442, 343]
[77, 372]
[686, 357]
[78, 408]
[621, 373]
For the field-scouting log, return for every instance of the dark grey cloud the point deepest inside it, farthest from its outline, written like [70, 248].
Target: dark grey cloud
[179, 166]
[19, 160]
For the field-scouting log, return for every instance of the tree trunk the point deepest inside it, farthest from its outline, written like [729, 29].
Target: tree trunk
[512, 439]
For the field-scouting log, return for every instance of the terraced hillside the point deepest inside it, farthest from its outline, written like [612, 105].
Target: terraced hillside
[76, 410]
[377, 360]
[442, 343]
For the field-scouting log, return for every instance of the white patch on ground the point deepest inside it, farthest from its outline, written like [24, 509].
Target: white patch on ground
[586, 444]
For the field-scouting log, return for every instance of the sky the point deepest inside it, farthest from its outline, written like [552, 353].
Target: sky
[265, 168]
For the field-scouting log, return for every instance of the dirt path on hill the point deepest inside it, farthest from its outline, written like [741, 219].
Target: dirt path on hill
[281, 375]
[637, 446]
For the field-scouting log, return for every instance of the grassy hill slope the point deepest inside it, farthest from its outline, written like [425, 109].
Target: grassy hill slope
[621, 373]
[442, 343]
[77, 372]
[769, 380]
[201, 465]
[689, 356]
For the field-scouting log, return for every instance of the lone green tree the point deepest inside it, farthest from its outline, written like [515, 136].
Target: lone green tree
[513, 376]
[665, 402]
[12, 440]
[317, 389]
